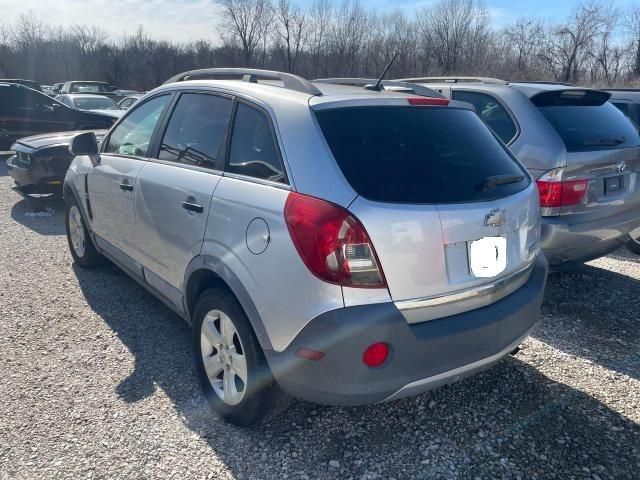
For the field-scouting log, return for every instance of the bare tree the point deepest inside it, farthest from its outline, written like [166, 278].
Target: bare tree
[610, 57]
[524, 39]
[571, 41]
[455, 30]
[290, 25]
[247, 21]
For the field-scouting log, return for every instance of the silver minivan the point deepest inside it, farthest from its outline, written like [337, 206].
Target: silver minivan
[335, 243]
[582, 151]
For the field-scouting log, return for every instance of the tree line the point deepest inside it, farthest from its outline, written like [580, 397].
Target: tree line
[596, 44]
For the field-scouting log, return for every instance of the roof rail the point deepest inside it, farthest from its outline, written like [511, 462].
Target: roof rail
[493, 81]
[290, 81]
[392, 84]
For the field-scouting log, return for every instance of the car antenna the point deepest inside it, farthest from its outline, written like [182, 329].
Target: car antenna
[377, 87]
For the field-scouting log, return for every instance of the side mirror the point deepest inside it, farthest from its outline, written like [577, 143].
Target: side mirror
[84, 144]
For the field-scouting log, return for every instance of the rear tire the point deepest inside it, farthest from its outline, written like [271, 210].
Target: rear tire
[237, 381]
[83, 251]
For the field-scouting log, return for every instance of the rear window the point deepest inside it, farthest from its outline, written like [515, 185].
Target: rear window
[419, 154]
[587, 123]
[90, 88]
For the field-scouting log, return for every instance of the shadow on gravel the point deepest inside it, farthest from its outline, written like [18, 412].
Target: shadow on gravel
[26, 212]
[3, 164]
[595, 314]
[509, 422]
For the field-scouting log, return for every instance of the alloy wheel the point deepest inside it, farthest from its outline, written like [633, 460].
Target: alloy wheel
[76, 231]
[223, 357]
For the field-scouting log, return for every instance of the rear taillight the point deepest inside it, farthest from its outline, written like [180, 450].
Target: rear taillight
[332, 243]
[555, 192]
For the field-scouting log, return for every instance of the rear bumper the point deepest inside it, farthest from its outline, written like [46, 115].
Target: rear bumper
[423, 356]
[565, 242]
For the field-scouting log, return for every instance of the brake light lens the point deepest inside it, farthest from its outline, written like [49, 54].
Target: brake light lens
[417, 101]
[555, 192]
[375, 354]
[332, 243]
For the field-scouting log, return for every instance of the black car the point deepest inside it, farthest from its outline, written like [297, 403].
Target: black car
[27, 83]
[39, 163]
[628, 101]
[25, 112]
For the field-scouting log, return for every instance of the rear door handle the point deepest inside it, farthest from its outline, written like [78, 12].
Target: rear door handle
[192, 207]
[126, 186]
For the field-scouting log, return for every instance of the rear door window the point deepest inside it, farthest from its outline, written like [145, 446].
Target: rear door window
[420, 154]
[196, 131]
[585, 120]
[492, 112]
[253, 150]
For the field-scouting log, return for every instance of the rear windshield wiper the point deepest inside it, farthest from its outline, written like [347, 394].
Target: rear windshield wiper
[604, 142]
[490, 183]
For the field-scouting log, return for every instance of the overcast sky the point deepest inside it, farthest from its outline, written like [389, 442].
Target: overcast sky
[184, 20]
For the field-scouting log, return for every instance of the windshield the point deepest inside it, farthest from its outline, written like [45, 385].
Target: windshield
[98, 103]
[589, 127]
[420, 154]
[90, 88]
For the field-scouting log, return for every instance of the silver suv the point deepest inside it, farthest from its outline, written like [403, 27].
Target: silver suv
[336, 243]
[583, 152]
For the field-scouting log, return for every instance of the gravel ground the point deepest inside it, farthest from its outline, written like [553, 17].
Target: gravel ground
[97, 382]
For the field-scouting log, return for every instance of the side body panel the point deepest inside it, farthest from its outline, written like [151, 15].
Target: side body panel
[285, 293]
[112, 184]
[168, 236]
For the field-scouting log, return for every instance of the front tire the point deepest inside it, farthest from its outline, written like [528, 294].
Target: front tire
[231, 367]
[633, 244]
[83, 251]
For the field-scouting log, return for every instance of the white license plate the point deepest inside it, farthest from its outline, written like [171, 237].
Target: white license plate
[488, 256]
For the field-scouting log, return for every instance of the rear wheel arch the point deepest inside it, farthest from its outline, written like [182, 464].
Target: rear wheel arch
[201, 276]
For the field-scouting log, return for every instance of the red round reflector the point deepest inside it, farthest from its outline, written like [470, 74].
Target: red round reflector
[376, 354]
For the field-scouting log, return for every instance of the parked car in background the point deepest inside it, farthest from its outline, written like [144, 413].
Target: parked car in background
[583, 152]
[410, 232]
[97, 88]
[55, 89]
[124, 93]
[91, 103]
[25, 112]
[38, 164]
[19, 81]
[47, 89]
[126, 102]
[628, 102]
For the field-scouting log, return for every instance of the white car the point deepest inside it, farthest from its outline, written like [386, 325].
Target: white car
[91, 103]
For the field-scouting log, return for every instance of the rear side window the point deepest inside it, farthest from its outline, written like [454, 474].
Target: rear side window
[196, 131]
[419, 154]
[133, 134]
[22, 102]
[89, 88]
[492, 112]
[253, 150]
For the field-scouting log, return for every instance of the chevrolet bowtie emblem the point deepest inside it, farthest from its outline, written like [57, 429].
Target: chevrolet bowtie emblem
[495, 218]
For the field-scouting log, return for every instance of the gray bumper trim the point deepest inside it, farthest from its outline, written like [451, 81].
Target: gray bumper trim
[451, 376]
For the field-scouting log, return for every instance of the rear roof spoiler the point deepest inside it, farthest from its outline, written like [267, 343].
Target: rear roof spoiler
[393, 85]
[570, 97]
[488, 80]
